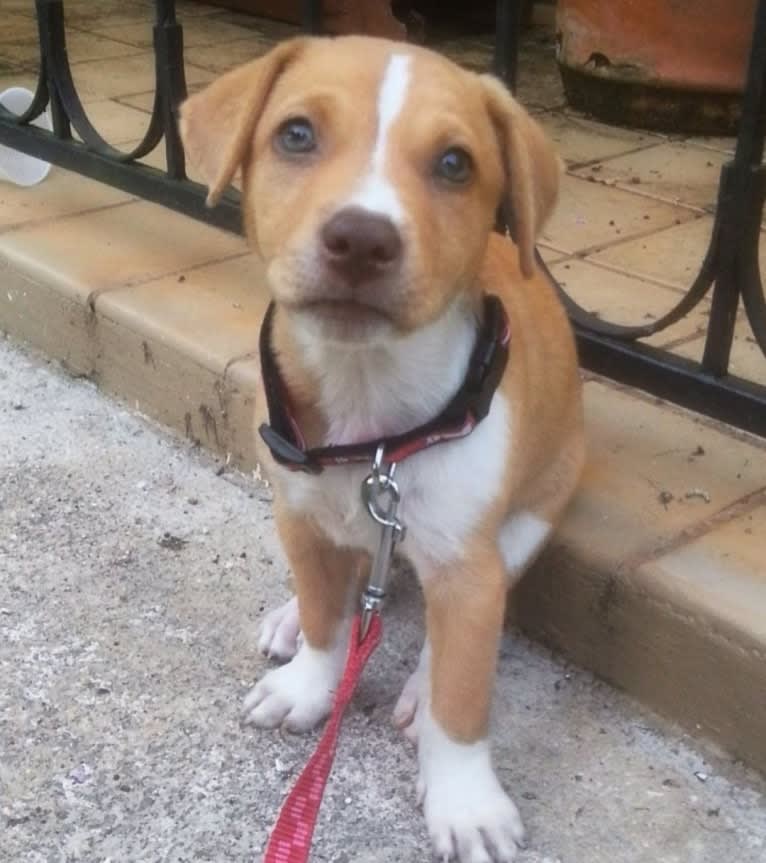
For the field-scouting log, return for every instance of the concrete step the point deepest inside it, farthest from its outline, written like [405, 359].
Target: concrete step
[656, 580]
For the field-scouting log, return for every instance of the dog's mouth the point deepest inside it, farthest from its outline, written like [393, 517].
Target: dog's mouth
[346, 321]
[346, 311]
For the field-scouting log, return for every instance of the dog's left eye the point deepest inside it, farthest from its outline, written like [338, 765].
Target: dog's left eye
[455, 166]
[296, 136]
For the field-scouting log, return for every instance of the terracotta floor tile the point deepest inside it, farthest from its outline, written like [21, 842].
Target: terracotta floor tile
[473, 52]
[83, 13]
[21, 7]
[678, 173]
[8, 68]
[671, 256]
[61, 193]
[213, 315]
[747, 357]
[104, 79]
[17, 28]
[237, 52]
[117, 123]
[140, 101]
[18, 56]
[579, 140]
[189, 8]
[274, 30]
[639, 453]
[80, 47]
[550, 254]
[725, 569]
[22, 78]
[626, 300]
[144, 101]
[591, 214]
[723, 145]
[197, 30]
[121, 246]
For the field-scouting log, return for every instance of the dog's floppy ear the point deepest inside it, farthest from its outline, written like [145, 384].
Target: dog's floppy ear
[532, 168]
[217, 124]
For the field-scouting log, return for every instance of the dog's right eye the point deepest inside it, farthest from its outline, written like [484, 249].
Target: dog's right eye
[296, 136]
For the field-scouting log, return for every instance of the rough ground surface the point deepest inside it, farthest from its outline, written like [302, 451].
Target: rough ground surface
[133, 576]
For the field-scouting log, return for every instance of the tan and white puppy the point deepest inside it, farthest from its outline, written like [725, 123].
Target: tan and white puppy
[372, 172]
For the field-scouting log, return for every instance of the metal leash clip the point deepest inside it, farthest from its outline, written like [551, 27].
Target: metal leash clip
[381, 496]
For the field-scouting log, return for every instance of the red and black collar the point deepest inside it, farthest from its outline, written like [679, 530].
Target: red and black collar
[463, 413]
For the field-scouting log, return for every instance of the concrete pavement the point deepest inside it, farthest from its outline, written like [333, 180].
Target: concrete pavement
[135, 568]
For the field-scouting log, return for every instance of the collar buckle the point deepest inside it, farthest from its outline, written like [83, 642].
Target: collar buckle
[286, 453]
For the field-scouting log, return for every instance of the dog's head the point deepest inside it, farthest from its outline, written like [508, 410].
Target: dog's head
[372, 173]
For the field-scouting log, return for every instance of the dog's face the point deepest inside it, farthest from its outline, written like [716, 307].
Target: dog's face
[372, 173]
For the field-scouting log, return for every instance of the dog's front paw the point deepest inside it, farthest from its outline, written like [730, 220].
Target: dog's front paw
[469, 817]
[280, 632]
[298, 695]
[474, 823]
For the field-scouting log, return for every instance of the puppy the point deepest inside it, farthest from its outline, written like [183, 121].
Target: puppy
[372, 173]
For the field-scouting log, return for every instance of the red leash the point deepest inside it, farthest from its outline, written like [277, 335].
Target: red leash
[290, 840]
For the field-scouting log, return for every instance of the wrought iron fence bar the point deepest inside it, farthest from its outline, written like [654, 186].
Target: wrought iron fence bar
[752, 286]
[752, 124]
[312, 16]
[171, 84]
[738, 209]
[507, 33]
[143, 181]
[728, 398]
[50, 22]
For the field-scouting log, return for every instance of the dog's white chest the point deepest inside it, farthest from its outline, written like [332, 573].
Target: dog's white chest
[445, 491]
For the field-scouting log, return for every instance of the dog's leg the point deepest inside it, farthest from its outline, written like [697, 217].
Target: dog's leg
[299, 695]
[280, 631]
[414, 693]
[468, 814]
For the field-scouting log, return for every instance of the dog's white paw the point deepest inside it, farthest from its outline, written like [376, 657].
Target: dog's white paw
[470, 818]
[415, 692]
[298, 695]
[280, 632]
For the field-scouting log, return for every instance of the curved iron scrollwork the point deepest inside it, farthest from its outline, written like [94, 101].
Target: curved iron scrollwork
[730, 269]
[95, 157]
[731, 262]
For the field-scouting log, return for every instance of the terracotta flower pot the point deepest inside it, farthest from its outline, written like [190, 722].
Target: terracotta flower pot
[677, 65]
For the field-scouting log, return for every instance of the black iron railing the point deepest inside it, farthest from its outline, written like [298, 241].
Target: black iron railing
[730, 269]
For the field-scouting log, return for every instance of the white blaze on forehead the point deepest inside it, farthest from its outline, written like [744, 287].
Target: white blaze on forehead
[376, 192]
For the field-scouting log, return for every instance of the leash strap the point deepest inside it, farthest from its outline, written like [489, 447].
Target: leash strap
[290, 840]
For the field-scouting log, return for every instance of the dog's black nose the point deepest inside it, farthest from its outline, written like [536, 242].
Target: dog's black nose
[360, 245]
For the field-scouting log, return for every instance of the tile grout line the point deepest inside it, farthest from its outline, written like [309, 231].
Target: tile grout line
[40, 223]
[97, 293]
[743, 505]
[578, 166]
[147, 48]
[631, 189]
[574, 257]
[629, 238]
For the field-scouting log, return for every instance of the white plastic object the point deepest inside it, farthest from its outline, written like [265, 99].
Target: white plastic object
[15, 166]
